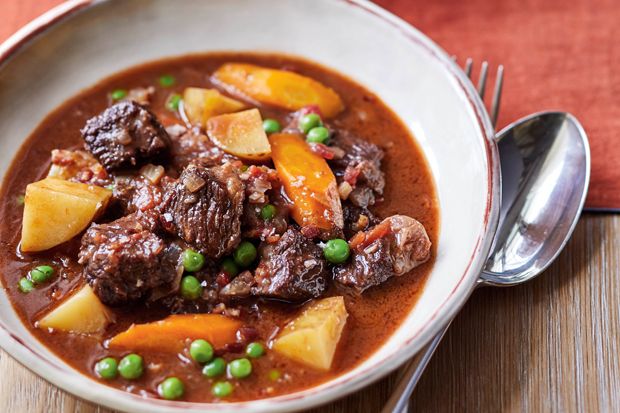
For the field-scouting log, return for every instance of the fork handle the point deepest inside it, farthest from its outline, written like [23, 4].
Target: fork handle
[399, 400]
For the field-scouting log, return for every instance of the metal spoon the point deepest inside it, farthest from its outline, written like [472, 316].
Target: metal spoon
[545, 167]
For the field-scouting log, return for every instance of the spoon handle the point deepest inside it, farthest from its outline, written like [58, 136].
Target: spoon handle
[399, 400]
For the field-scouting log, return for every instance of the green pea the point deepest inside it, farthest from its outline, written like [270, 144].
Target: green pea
[131, 367]
[201, 350]
[336, 251]
[320, 134]
[25, 285]
[240, 368]
[271, 126]
[230, 267]
[190, 287]
[268, 212]
[245, 254]
[171, 389]
[255, 350]
[41, 274]
[21, 199]
[222, 389]
[274, 375]
[309, 121]
[215, 368]
[173, 101]
[118, 94]
[167, 81]
[193, 261]
[107, 368]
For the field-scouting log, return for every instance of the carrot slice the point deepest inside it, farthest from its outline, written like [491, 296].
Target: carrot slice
[278, 87]
[169, 334]
[308, 182]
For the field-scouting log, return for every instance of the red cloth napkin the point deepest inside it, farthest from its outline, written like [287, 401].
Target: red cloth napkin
[558, 54]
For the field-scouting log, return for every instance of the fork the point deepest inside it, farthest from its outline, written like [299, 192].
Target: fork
[411, 373]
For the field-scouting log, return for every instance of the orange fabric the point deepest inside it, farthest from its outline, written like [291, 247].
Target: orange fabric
[558, 54]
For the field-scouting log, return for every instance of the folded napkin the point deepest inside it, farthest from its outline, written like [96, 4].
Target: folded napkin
[558, 54]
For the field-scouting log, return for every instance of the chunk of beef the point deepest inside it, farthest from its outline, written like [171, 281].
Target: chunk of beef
[125, 261]
[357, 219]
[239, 287]
[204, 208]
[190, 145]
[360, 167]
[136, 193]
[125, 135]
[78, 166]
[291, 269]
[395, 246]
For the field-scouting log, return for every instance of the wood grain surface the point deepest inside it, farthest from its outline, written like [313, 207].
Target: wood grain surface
[552, 345]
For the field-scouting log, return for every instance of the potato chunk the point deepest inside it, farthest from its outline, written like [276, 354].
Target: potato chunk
[169, 334]
[313, 336]
[309, 183]
[56, 210]
[240, 134]
[81, 313]
[201, 104]
[278, 87]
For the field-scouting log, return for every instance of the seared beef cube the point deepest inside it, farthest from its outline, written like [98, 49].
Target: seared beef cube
[239, 287]
[204, 208]
[291, 269]
[392, 248]
[360, 167]
[190, 145]
[136, 193]
[357, 219]
[125, 261]
[125, 135]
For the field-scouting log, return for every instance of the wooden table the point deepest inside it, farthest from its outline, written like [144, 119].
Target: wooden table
[550, 345]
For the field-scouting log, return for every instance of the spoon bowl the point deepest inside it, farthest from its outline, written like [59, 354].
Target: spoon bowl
[545, 166]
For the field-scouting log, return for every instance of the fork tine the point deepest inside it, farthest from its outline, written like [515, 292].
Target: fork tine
[469, 63]
[482, 80]
[482, 84]
[497, 94]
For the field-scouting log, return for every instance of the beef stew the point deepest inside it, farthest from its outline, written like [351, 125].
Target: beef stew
[218, 227]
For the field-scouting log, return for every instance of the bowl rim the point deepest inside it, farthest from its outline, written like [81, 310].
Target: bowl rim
[328, 390]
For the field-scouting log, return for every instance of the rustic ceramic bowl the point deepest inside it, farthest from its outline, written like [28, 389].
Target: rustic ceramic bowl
[80, 42]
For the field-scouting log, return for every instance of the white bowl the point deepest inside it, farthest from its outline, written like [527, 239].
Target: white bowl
[80, 42]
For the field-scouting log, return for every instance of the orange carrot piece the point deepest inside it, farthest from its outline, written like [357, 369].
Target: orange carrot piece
[169, 334]
[308, 182]
[278, 87]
